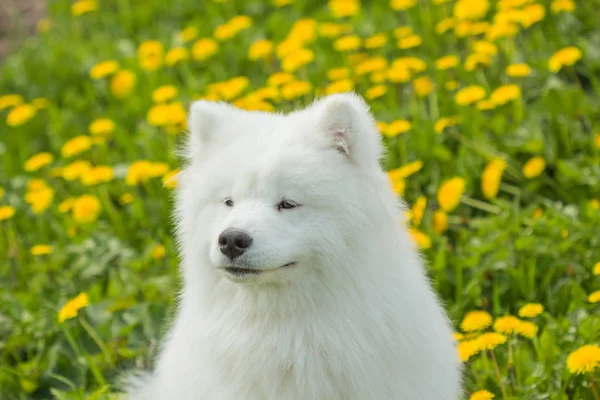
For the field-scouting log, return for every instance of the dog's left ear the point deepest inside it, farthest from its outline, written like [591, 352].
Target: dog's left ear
[349, 127]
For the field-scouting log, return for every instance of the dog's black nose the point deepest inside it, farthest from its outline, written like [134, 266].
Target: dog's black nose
[233, 243]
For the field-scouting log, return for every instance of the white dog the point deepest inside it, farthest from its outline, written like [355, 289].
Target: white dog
[300, 279]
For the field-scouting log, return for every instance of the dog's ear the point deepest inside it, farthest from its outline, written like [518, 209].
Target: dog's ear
[349, 128]
[204, 119]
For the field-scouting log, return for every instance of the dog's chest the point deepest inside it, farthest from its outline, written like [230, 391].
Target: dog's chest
[268, 362]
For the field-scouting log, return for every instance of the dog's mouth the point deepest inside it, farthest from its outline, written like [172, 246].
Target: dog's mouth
[241, 271]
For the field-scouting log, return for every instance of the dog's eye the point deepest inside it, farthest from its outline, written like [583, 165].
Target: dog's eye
[228, 202]
[286, 205]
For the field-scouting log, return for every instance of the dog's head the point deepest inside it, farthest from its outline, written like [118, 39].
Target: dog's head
[271, 197]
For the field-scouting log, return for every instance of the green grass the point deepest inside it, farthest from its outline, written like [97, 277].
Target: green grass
[537, 241]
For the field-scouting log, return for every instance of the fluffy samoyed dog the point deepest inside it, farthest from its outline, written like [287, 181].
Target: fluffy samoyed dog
[300, 280]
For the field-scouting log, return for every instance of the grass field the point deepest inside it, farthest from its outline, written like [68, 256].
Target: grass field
[490, 113]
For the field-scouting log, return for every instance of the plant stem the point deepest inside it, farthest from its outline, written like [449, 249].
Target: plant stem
[593, 386]
[481, 205]
[495, 362]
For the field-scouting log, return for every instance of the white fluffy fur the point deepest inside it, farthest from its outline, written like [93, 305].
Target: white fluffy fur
[355, 318]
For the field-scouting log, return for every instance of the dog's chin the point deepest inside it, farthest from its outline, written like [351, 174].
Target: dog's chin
[240, 273]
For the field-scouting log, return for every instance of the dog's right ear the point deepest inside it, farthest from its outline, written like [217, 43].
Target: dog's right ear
[203, 122]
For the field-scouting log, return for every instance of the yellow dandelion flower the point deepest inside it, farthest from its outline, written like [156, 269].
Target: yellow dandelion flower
[102, 127]
[531, 310]
[10, 100]
[413, 64]
[232, 27]
[335, 74]
[39, 198]
[446, 62]
[467, 349]
[559, 6]
[170, 179]
[86, 208]
[399, 75]
[397, 127]
[375, 92]
[150, 55]
[485, 47]
[72, 307]
[475, 60]
[369, 65]
[158, 252]
[584, 359]
[398, 185]
[204, 48]
[347, 43]
[122, 83]
[303, 31]
[423, 86]
[401, 5]
[295, 89]
[6, 212]
[440, 222]
[458, 336]
[409, 42]
[597, 268]
[564, 57]
[475, 321]
[66, 205]
[126, 198]
[534, 167]
[281, 3]
[341, 86]
[470, 9]
[164, 93]
[104, 68]
[376, 41]
[421, 239]
[176, 55]
[527, 329]
[418, 210]
[344, 8]
[445, 25]
[188, 34]
[332, 30]
[260, 49]
[445, 122]
[450, 192]
[297, 59]
[19, 115]
[469, 95]
[81, 7]
[482, 395]
[490, 340]
[505, 93]
[41, 249]
[97, 175]
[75, 170]
[403, 31]
[75, 146]
[507, 324]
[406, 170]
[518, 70]
[280, 78]
[594, 297]
[491, 178]
[38, 161]
[486, 104]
